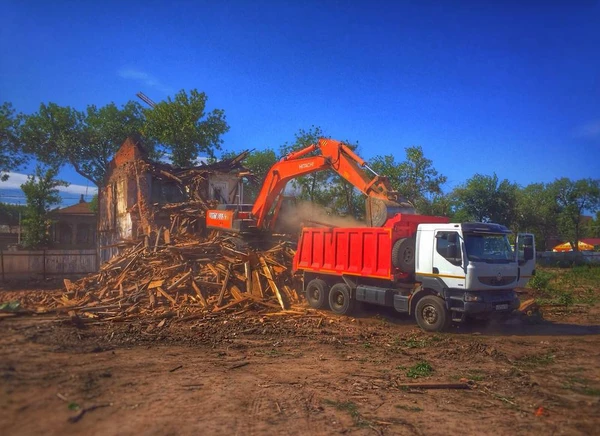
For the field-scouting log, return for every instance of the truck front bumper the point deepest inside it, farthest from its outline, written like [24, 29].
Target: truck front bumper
[492, 302]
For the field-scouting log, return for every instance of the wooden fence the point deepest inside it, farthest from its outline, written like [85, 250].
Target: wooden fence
[47, 263]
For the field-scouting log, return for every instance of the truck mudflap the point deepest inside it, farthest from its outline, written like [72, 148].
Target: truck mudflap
[481, 303]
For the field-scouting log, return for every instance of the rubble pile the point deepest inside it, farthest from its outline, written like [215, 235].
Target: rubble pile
[174, 266]
[182, 278]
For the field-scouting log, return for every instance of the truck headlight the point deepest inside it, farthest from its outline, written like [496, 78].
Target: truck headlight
[470, 297]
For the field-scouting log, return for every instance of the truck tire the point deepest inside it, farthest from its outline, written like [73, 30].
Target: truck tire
[317, 294]
[431, 314]
[403, 254]
[340, 299]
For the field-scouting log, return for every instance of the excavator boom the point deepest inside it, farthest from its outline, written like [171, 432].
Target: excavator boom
[335, 156]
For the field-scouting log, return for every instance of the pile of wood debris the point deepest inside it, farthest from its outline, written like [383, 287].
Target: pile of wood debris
[172, 266]
[182, 278]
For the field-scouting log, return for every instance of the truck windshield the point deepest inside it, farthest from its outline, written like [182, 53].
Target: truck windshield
[491, 248]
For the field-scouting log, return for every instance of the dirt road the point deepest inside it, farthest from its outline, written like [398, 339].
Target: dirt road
[318, 374]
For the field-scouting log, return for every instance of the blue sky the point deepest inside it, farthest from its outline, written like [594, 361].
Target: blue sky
[507, 88]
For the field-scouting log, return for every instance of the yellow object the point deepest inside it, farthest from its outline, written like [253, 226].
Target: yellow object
[567, 247]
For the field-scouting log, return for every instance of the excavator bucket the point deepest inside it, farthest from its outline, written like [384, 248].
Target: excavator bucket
[379, 211]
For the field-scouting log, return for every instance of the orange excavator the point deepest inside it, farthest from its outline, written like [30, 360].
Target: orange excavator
[382, 202]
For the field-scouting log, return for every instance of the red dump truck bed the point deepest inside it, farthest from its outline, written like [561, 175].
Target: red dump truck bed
[362, 251]
[359, 251]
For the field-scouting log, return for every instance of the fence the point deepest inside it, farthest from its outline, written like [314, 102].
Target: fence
[568, 258]
[47, 263]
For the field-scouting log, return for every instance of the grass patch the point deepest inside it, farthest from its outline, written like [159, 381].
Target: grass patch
[536, 360]
[415, 341]
[568, 286]
[421, 369]
[352, 409]
[581, 386]
[270, 353]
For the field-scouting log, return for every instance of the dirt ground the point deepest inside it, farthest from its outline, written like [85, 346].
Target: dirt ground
[318, 374]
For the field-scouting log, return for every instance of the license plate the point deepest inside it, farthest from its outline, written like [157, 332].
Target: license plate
[501, 306]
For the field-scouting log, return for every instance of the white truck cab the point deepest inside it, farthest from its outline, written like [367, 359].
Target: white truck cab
[473, 267]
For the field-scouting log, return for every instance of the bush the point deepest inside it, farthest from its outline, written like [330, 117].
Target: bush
[541, 280]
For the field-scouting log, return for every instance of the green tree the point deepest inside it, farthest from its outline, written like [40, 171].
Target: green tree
[258, 162]
[41, 194]
[486, 199]
[58, 135]
[11, 156]
[94, 203]
[310, 187]
[537, 212]
[595, 226]
[415, 179]
[10, 214]
[324, 188]
[574, 198]
[184, 128]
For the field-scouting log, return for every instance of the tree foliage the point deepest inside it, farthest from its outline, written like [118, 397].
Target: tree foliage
[324, 188]
[41, 194]
[87, 140]
[415, 179]
[537, 212]
[573, 199]
[486, 199]
[183, 127]
[58, 135]
[10, 214]
[11, 156]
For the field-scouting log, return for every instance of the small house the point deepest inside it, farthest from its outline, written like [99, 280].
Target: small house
[139, 194]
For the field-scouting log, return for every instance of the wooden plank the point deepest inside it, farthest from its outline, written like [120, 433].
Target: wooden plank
[167, 236]
[272, 284]
[157, 239]
[434, 385]
[155, 284]
[199, 293]
[223, 287]
[162, 292]
[233, 303]
[257, 290]
[248, 274]
[180, 280]
[235, 292]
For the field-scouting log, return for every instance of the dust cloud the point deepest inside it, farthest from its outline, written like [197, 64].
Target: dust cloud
[306, 214]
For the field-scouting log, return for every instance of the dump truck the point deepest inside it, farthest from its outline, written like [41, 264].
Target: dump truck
[424, 266]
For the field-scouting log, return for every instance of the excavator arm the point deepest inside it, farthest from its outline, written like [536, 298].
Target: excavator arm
[335, 156]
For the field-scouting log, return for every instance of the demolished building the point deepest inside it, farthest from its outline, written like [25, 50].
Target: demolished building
[140, 196]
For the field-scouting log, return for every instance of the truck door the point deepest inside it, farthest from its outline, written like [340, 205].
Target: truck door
[525, 252]
[447, 259]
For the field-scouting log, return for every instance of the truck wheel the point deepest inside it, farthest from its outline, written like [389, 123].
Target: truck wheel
[317, 293]
[431, 314]
[403, 254]
[340, 300]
